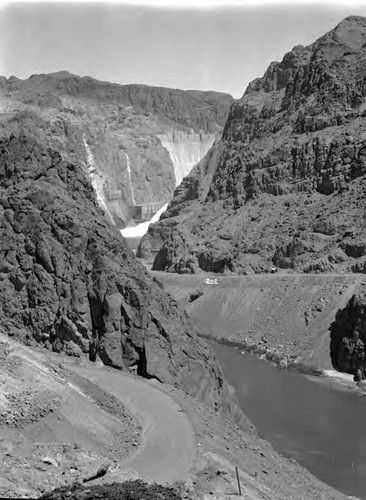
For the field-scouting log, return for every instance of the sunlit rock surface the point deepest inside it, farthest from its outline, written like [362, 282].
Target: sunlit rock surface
[285, 184]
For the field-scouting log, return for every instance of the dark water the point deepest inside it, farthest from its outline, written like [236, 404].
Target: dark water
[323, 428]
[133, 243]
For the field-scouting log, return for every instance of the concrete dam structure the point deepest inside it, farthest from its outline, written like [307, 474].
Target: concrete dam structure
[186, 149]
[145, 211]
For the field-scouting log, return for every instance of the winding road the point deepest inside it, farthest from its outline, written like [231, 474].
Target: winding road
[168, 445]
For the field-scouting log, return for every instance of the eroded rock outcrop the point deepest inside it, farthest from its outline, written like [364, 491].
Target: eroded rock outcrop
[348, 337]
[284, 184]
[69, 281]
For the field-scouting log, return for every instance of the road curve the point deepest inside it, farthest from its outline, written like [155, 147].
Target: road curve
[168, 445]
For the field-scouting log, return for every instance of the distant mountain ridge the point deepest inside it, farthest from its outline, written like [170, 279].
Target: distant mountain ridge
[196, 109]
[284, 186]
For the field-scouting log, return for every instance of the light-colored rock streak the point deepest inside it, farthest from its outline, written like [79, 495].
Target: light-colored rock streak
[185, 149]
[129, 179]
[96, 180]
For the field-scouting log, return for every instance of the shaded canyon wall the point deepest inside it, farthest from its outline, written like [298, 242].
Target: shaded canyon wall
[69, 281]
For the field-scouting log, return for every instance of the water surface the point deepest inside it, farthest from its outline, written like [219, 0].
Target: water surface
[133, 242]
[321, 427]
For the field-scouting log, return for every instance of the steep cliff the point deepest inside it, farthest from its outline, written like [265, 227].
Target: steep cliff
[69, 281]
[284, 186]
[115, 132]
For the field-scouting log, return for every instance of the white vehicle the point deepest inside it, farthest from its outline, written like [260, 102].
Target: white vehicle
[211, 281]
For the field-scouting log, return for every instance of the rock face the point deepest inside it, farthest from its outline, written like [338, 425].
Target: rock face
[284, 185]
[69, 281]
[115, 132]
[348, 337]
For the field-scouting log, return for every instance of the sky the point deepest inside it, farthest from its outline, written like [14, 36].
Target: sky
[189, 44]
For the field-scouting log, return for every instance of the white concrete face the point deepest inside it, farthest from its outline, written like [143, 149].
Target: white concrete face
[185, 149]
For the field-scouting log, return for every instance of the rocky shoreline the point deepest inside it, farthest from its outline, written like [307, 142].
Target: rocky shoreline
[266, 353]
[332, 378]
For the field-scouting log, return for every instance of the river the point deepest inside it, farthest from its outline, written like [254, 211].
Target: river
[319, 426]
[310, 421]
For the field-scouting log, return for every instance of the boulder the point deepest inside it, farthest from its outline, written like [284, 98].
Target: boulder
[348, 337]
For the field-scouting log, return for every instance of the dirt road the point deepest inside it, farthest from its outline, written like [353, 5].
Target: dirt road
[168, 444]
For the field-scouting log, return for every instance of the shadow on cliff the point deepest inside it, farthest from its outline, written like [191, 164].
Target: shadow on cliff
[348, 337]
[140, 364]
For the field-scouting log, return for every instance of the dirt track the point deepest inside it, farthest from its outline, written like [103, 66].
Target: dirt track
[96, 419]
[168, 445]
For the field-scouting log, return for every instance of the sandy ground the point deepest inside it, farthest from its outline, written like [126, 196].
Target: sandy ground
[345, 377]
[53, 430]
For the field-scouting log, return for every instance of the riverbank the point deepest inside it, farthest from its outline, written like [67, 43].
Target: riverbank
[305, 418]
[284, 317]
[341, 381]
[270, 355]
[331, 378]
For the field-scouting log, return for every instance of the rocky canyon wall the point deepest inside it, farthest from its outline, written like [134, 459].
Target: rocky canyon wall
[284, 185]
[69, 281]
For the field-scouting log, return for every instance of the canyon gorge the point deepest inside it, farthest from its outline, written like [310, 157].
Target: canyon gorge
[284, 185]
[257, 240]
[136, 142]
[284, 189]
